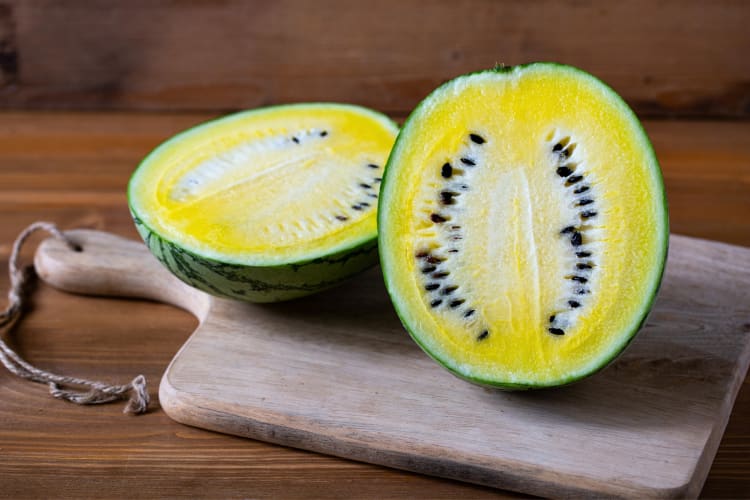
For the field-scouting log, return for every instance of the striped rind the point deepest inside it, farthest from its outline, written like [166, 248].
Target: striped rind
[256, 283]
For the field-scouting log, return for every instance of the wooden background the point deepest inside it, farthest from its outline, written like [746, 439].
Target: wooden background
[89, 87]
[667, 58]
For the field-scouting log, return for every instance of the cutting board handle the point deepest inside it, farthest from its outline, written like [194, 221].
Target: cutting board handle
[111, 265]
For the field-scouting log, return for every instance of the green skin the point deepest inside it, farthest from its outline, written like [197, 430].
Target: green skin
[273, 283]
[254, 283]
[383, 211]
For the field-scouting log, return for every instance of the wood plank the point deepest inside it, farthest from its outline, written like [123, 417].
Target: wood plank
[47, 448]
[706, 168]
[669, 58]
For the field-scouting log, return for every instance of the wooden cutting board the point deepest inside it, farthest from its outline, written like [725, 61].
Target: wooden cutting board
[336, 373]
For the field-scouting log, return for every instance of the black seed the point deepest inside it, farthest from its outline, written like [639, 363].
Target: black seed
[483, 335]
[372, 195]
[581, 189]
[296, 141]
[323, 133]
[582, 291]
[455, 303]
[434, 260]
[377, 179]
[469, 313]
[436, 302]
[576, 239]
[447, 197]
[589, 214]
[456, 237]
[584, 202]
[574, 304]
[437, 218]
[356, 207]
[441, 275]
[449, 290]
[468, 161]
[422, 254]
[428, 269]
[583, 254]
[579, 279]
[573, 179]
[366, 186]
[453, 250]
[372, 165]
[342, 217]
[568, 229]
[552, 319]
[557, 147]
[477, 138]
[556, 331]
[464, 187]
[432, 286]
[364, 204]
[582, 265]
[564, 154]
[563, 171]
[455, 228]
[446, 171]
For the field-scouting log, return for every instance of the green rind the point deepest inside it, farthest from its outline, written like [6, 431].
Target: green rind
[254, 283]
[660, 259]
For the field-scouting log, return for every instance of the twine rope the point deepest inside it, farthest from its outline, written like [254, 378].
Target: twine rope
[61, 387]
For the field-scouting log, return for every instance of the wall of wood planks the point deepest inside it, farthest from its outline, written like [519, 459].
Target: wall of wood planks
[668, 58]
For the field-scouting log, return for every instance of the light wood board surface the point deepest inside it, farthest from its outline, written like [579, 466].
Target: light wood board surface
[336, 373]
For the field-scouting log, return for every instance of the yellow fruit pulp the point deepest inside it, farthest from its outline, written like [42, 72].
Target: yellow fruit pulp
[514, 265]
[268, 186]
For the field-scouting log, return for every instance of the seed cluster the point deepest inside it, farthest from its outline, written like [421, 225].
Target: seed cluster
[299, 137]
[366, 184]
[368, 189]
[580, 191]
[433, 264]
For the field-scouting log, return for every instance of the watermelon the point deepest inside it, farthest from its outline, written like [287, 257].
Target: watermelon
[523, 225]
[269, 204]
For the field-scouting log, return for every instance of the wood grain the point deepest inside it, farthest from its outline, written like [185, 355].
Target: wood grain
[73, 168]
[335, 373]
[668, 58]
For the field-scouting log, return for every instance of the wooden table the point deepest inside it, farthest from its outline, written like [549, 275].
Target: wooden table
[72, 168]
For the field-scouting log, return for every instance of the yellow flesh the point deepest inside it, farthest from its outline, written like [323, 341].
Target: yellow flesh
[241, 190]
[513, 265]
